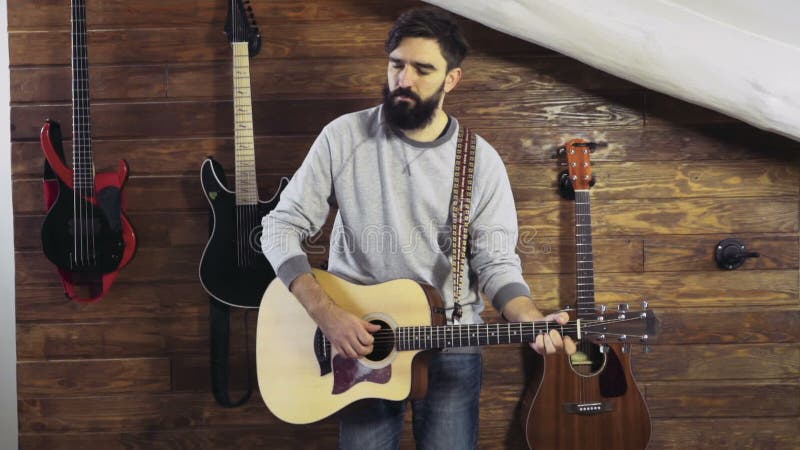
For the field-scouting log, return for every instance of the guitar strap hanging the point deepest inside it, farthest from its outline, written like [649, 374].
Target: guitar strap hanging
[219, 339]
[461, 200]
[219, 326]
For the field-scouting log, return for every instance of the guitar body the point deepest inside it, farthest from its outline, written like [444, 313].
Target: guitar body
[301, 381]
[549, 426]
[589, 400]
[233, 272]
[113, 239]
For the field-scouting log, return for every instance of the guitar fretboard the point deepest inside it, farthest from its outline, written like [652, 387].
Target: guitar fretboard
[453, 336]
[584, 258]
[82, 160]
[246, 186]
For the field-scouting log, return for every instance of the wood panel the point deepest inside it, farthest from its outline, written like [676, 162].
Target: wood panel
[132, 370]
[187, 119]
[121, 14]
[670, 362]
[723, 398]
[171, 155]
[663, 216]
[675, 289]
[46, 302]
[92, 376]
[691, 253]
[299, 77]
[53, 84]
[670, 180]
[314, 437]
[716, 433]
[665, 110]
[207, 43]
[667, 143]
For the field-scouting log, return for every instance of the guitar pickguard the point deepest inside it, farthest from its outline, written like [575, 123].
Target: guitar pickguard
[347, 372]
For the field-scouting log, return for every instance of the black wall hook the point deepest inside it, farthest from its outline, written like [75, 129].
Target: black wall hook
[730, 254]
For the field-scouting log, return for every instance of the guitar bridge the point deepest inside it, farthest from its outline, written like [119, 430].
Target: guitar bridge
[589, 409]
[322, 350]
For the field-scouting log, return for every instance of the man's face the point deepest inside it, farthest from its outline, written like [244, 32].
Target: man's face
[416, 79]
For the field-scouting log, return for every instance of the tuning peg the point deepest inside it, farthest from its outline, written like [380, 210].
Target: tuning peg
[603, 309]
[644, 304]
[643, 340]
[622, 308]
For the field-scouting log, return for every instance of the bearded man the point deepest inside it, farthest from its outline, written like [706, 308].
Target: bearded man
[389, 169]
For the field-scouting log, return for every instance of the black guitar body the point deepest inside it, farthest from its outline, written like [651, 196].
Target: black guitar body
[101, 250]
[233, 269]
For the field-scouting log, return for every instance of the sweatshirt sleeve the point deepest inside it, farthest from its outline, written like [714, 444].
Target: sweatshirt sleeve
[300, 213]
[494, 231]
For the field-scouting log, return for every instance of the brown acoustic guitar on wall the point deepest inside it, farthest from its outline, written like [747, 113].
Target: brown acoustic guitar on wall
[589, 400]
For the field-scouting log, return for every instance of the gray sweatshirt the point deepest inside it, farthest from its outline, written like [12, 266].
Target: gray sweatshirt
[393, 221]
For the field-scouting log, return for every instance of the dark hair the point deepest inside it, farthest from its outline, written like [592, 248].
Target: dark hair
[431, 23]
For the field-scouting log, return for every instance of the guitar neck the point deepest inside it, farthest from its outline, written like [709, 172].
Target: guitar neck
[584, 256]
[246, 186]
[454, 336]
[82, 160]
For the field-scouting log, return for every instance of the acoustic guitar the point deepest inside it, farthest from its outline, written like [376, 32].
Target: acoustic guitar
[233, 269]
[589, 400]
[85, 233]
[303, 380]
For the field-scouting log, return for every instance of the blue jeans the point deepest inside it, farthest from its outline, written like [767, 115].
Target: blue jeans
[446, 419]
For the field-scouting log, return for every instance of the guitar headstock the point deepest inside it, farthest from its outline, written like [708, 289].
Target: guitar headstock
[578, 162]
[622, 326]
[240, 25]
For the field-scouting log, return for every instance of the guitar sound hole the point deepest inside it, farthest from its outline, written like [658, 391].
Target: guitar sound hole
[589, 360]
[383, 345]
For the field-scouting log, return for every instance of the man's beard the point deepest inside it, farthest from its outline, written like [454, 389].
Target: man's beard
[402, 115]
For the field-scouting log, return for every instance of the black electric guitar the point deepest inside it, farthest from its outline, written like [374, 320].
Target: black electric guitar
[233, 270]
[589, 400]
[85, 233]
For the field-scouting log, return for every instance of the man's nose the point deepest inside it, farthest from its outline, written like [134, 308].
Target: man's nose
[406, 78]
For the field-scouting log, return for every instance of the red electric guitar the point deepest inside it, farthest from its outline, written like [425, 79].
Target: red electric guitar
[85, 234]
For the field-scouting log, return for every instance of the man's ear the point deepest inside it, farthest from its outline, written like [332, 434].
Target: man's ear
[451, 79]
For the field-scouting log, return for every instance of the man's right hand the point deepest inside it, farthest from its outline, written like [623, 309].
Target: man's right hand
[348, 334]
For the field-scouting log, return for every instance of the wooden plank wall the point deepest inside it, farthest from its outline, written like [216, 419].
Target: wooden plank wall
[132, 370]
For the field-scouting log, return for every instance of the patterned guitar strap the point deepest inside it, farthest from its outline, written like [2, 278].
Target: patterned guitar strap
[462, 196]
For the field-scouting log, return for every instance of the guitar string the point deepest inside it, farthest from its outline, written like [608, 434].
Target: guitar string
[247, 213]
[82, 189]
[238, 193]
[581, 214]
[493, 331]
[76, 144]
